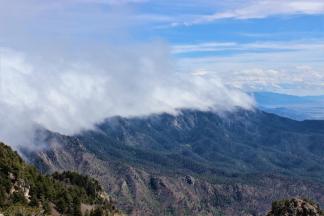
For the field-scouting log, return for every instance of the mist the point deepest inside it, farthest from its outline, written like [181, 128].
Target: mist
[67, 88]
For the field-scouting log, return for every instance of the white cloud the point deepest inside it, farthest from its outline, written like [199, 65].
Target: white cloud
[258, 9]
[250, 47]
[67, 95]
[294, 67]
[56, 77]
[286, 67]
[301, 80]
[203, 47]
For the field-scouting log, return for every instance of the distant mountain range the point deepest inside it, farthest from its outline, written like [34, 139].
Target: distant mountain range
[295, 107]
[195, 163]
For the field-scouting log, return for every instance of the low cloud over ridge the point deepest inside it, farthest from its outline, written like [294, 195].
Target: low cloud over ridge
[67, 65]
[69, 95]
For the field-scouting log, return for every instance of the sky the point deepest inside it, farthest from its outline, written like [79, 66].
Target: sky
[256, 45]
[68, 64]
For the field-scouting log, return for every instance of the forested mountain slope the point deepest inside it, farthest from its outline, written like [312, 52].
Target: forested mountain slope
[204, 163]
[24, 191]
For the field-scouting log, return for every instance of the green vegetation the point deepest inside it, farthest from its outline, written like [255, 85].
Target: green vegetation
[208, 145]
[24, 191]
[238, 162]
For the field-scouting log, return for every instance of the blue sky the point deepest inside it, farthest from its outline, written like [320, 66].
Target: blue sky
[177, 23]
[255, 45]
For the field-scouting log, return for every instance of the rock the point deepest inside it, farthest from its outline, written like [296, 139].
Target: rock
[189, 180]
[295, 207]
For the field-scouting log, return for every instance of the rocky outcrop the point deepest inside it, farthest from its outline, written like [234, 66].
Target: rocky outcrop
[295, 207]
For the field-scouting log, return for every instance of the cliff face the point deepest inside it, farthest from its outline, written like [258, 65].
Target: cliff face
[295, 207]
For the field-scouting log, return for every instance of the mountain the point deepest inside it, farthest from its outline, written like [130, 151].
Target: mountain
[295, 107]
[24, 191]
[195, 163]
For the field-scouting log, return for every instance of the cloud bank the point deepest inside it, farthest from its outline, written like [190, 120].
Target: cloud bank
[67, 65]
[290, 67]
[67, 95]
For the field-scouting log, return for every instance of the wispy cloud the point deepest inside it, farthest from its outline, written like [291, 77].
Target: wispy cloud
[258, 9]
[249, 47]
[203, 47]
[294, 67]
[107, 2]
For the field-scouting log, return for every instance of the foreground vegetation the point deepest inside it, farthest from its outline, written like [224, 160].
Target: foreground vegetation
[24, 191]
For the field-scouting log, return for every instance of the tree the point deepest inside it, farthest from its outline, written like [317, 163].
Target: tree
[97, 212]
[77, 207]
[18, 197]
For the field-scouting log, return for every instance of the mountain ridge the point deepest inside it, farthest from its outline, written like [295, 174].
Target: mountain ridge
[196, 162]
